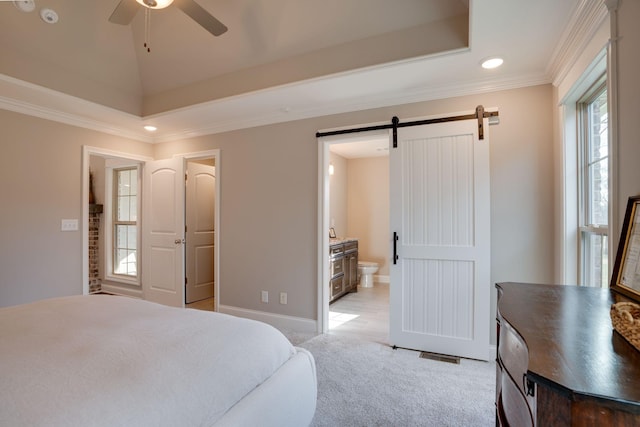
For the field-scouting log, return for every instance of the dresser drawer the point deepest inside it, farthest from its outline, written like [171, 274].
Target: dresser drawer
[351, 246]
[337, 284]
[512, 407]
[513, 354]
[336, 266]
[336, 250]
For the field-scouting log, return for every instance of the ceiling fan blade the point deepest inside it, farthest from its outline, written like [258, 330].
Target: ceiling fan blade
[201, 16]
[124, 12]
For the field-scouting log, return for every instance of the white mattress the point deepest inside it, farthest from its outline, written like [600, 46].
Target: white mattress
[104, 361]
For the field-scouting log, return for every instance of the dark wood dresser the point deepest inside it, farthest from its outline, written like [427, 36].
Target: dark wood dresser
[559, 362]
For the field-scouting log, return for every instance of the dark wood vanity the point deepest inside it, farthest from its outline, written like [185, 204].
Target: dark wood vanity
[559, 362]
[343, 267]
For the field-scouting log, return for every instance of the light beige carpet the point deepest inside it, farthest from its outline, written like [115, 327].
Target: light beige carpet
[363, 383]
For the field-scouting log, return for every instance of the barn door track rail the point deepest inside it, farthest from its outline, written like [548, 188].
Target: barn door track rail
[479, 115]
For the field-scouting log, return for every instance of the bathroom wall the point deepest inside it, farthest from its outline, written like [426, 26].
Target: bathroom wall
[368, 209]
[338, 195]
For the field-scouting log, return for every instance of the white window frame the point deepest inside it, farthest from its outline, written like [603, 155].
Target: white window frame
[585, 224]
[111, 166]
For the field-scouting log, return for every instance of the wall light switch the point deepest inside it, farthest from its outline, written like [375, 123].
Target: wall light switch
[283, 297]
[265, 296]
[69, 225]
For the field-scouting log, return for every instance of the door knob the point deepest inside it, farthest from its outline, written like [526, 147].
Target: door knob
[178, 241]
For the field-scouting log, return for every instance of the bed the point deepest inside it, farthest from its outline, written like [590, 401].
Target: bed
[102, 360]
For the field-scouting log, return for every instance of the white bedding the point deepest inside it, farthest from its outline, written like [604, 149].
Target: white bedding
[99, 360]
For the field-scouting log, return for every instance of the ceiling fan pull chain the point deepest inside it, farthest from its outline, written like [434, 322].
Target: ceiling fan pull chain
[147, 25]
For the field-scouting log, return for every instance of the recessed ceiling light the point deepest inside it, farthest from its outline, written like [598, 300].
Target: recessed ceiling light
[150, 128]
[49, 16]
[490, 63]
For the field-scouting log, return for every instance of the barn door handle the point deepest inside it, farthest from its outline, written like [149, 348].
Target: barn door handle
[395, 247]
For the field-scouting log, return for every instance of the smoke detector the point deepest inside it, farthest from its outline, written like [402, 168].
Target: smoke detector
[49, 16]
[25, 5]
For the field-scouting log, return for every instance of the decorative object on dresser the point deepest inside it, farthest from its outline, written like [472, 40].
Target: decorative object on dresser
[625, 317]
[625, 279]
[559, 362]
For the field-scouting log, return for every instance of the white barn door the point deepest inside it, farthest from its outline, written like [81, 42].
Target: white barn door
[440, 281]
[163, 232]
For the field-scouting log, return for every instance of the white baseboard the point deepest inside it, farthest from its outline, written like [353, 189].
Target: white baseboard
[280, 321]
[120, 290]
[380, 278]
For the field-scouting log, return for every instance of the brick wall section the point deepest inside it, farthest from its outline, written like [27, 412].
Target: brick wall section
[95, 284]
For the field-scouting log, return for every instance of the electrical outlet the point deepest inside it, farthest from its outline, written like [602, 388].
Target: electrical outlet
[283, 297]
[265, 296]
[69, 225]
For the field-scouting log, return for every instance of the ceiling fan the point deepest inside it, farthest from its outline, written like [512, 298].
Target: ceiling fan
[127, 9]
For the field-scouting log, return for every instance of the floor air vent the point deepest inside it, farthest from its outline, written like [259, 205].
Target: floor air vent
[439, 357]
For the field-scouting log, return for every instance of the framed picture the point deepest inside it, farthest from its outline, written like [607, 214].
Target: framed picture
[332, 233]
[626, 271]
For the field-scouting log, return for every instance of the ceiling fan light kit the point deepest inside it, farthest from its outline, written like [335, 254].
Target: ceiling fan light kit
[155, 4]
[25, 5]
[126, 10]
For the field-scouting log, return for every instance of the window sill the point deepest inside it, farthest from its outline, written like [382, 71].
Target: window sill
[122, 281]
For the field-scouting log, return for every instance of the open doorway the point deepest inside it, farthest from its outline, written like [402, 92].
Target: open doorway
[200, 220]
[111, 222]
[358, 211]
[98, 167]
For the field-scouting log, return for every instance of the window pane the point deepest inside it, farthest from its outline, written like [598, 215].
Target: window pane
[597, 161]
[133, 208]
[121, 236]
[596, 260]
[125, 262]
[126, 210]
[598, 128]
[594, 183]
[598, 196]
[123, 182]
[133, 181]
[123, 209]
[132, 235]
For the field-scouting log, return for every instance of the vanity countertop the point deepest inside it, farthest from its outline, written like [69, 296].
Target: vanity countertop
[339, 240]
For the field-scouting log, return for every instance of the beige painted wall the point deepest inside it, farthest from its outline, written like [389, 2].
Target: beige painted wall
[338, 195]
[40, 171]
[368, 209]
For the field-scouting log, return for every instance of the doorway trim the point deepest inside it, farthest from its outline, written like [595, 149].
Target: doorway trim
[215, 155]
[87, 152]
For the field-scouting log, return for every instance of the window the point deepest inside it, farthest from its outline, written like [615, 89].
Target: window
[594, 186]
[124, 225]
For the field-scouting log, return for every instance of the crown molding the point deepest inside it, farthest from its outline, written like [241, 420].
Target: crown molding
[584, 23]
[360, 104]
[84, 114]
[27, 98]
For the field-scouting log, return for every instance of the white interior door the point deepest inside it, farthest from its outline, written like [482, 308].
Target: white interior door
[200, 231]
[440, 212]
[163, 232]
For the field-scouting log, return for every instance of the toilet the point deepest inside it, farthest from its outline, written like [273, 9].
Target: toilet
[366, 270]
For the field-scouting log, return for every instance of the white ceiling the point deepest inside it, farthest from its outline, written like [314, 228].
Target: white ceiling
[89, 72]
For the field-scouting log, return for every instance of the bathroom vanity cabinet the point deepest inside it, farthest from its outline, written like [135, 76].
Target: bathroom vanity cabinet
[559, 362]
[343, 267]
